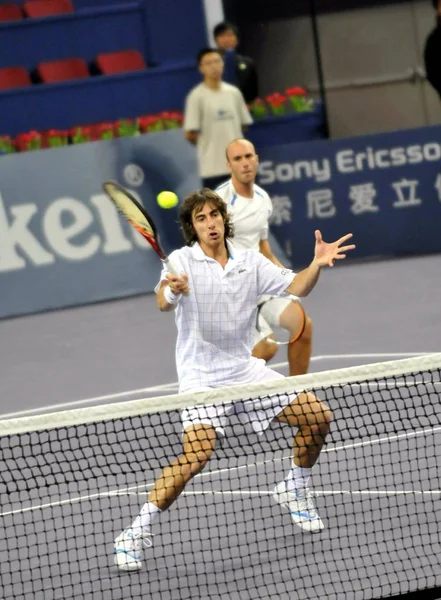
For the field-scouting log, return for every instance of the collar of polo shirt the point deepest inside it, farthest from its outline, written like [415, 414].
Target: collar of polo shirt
[199, 254]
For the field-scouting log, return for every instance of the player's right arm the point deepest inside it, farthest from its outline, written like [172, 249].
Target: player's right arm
[192, 136]
[171, 290]
[192, 117]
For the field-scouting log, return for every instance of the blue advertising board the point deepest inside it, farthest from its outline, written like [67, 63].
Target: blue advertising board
[385, 189]
[62, 242]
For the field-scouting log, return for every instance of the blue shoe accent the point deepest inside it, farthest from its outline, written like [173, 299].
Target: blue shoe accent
[122, 551]
[310, 516]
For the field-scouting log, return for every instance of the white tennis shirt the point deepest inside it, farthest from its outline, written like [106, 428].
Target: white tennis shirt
[215, 321]
[250, 215]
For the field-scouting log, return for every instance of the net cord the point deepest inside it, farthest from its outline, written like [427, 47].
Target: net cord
[137, 408]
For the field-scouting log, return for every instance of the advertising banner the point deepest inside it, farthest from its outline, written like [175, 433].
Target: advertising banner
[385, 189]
[63, 243]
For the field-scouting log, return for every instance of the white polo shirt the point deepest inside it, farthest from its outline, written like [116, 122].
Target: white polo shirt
[215, 321]
[250, 215]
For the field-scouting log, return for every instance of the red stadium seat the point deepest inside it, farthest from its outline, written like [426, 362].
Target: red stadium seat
[63, 70]
[46, 8]
[120, 62]
[13, 77]
[10, 12]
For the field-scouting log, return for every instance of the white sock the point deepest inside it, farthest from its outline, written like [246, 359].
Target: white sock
[297, 479]
[148, 515]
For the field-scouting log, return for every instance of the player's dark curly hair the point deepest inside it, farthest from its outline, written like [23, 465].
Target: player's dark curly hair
[194, 203]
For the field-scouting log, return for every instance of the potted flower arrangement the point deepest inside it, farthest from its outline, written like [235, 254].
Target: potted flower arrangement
[81, 134]
[258, 109]
[32, 140]
[6, 145]
[293, 100]
[172, 119]
[298, 100]
[276, 103]
[54, 138]
[126, 127]
[105, 131]
[150, 123]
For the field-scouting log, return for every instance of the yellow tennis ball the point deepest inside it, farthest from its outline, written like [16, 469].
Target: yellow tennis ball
[167, 199]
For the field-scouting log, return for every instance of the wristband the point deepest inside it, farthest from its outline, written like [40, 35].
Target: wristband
[170, 296]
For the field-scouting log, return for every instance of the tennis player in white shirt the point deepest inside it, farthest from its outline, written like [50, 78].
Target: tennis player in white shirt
[250, 207]
[215, 300]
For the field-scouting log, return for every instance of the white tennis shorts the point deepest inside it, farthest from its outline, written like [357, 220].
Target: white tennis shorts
[269, 316]
[253, 414]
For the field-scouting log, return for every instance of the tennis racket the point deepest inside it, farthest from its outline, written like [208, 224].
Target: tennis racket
[138, 217]
[273, 332]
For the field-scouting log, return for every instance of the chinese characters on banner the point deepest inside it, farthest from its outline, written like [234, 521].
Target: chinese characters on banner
[385, 189]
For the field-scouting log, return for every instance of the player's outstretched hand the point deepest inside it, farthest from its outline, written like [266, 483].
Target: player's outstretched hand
[325, 254]
[178, 283]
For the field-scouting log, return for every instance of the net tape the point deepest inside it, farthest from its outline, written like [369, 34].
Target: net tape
[314, 381]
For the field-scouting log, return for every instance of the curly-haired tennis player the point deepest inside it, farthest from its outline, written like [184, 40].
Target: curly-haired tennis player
[215, 300]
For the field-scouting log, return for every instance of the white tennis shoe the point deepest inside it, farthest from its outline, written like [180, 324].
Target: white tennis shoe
[301, 507]
[129, 549]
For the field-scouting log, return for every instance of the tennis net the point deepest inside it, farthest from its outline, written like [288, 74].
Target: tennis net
[72, 481]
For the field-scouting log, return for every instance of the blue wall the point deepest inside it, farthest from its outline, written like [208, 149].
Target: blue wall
[176, 29]
[96, 99]
[169, 33]
[29, 42]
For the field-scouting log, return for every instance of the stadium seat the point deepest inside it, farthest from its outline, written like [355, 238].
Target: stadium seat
[47, 8]
[63, 70]
[10, 12]
[13, 77]
[120, 62]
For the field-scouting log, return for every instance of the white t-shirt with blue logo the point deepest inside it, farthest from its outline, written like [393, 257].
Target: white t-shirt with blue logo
[218, 116]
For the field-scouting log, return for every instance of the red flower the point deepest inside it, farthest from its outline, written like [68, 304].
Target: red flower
[295, 91]
[148, 121]
[84, 130]
[24, 141]
[175, 115]
[276, 99]
[103, 127]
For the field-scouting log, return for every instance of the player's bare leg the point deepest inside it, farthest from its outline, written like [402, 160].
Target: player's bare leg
[296, 321]
[198, 446]
[312, 418]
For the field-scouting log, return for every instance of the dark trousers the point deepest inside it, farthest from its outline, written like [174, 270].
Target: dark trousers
[213, 182]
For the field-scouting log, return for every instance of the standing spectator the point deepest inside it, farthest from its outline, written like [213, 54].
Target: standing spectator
[239, 70]
[432, 51]
[215, 114]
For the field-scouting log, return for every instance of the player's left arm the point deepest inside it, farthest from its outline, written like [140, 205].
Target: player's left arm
[265, 249]
[325, 255]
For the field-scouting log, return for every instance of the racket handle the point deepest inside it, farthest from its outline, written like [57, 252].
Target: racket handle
[170, 267]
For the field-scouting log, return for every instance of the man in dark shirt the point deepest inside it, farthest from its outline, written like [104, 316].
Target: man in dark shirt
[239, 70]
[432, 51]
